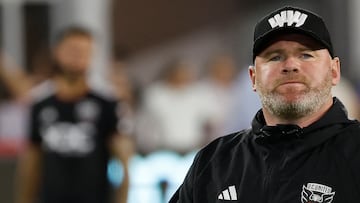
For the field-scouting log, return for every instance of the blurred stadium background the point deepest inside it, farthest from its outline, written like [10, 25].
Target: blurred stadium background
[148, 33]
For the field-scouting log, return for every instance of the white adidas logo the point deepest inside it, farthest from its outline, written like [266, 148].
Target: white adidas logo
[228, 194]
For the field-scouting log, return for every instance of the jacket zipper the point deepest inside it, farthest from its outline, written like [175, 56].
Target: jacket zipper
[275, 159]
[266, 183]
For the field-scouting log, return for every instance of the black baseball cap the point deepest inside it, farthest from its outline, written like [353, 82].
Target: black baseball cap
[290, 20]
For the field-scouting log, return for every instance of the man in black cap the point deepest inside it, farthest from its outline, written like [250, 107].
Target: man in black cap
[302, 147]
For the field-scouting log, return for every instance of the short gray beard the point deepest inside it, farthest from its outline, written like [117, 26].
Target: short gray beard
[310, 102]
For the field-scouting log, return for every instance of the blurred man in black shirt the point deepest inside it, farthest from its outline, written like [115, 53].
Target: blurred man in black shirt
[73, 133]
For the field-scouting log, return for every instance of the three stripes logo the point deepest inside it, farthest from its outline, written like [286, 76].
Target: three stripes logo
[228, 194]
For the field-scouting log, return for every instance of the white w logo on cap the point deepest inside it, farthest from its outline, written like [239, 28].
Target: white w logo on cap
[289, 17]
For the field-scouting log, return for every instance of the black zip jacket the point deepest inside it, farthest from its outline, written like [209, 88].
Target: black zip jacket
[279, 164]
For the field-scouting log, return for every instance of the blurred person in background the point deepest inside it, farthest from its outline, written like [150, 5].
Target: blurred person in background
[15, 86]
[218, 83]
[14, 89]
[119, 76]
[20, 82]
[14, 79]
[123, 88]
[245, 103]
[174, 115]
[72, 133]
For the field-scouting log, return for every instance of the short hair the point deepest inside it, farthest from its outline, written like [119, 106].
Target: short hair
[72, 31]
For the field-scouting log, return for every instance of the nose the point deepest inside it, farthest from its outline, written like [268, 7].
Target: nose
[290, 65]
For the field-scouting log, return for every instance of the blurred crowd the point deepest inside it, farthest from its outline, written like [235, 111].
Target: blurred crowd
[181, 110]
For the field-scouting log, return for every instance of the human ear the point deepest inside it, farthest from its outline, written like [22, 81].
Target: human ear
[335, 70]
[252, 77]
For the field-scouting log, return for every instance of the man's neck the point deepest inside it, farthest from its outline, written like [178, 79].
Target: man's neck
[272, 120]
[71, 88]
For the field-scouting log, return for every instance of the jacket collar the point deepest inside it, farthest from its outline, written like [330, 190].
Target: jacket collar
[337, 114]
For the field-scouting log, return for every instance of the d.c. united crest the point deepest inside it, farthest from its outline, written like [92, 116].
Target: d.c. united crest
[317, 193]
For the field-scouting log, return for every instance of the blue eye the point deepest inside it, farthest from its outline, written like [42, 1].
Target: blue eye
[306, 56]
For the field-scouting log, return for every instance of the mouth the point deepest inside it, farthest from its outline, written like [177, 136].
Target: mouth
[291, 87]
[291, 83]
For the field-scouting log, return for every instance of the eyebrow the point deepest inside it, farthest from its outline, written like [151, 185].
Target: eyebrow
[270, 52]
[280, 51]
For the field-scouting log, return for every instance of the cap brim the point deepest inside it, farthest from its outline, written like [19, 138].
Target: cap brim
[268, 38]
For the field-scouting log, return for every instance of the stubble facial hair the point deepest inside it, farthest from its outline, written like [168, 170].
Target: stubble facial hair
[311, 100]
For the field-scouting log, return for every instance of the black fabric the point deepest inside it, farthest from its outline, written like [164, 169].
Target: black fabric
[73, 136]
[313, 26]
[280, 164]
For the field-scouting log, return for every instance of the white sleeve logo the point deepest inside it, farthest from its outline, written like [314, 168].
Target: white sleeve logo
[289, 17]
[228, 194]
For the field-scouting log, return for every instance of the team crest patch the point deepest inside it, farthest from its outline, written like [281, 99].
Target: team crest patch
[317, 193]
